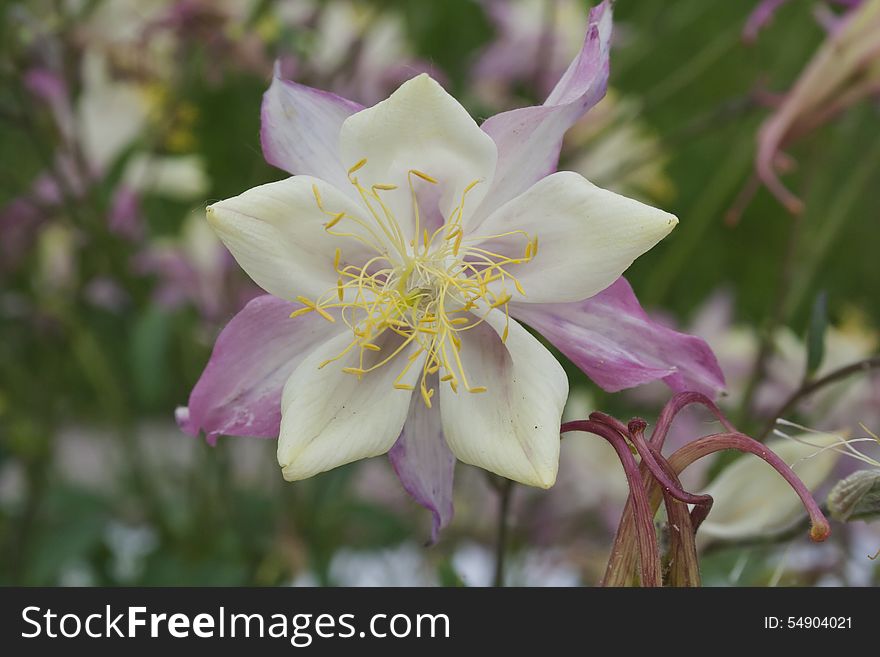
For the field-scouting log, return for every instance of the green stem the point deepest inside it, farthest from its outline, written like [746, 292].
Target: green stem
[505, 493]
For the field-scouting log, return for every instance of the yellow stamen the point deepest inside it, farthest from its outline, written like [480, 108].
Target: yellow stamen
[426, 293]
[357, 166]
[423, 176]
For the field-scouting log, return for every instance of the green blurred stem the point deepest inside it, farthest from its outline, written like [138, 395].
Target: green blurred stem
[20, 541]
[99, 372]
[808, 388]
[832, 219]
[505, 493]
[774, 320]
[786, 535]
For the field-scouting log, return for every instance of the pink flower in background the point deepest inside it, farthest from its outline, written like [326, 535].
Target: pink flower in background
[533, 39]
[357, 49]
[398, 259]
[843, 71]
[195, 268]
[765, 11]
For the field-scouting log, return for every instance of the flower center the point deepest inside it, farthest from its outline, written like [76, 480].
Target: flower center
[428, 289]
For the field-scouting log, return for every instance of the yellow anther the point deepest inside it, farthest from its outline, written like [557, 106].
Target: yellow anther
[404, 386]
[336, 258]
[371, 347]
[470, 187]
[424, 176]
[383, 187]
[354, 370]
[457, 245]
[458, 321]
[357, 166]
[477, 389]
[503, 299]
[323, 313]
[335, 220]
[446, 377]
[456, 230]
[426, 393]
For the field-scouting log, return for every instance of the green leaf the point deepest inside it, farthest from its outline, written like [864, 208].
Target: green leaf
[149, 355]
[816, 334]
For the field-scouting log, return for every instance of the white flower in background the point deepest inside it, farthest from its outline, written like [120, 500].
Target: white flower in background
[110, 115]
[355, 48]
[590, 473]
[401, 565]
[615, 149]
[475, 565]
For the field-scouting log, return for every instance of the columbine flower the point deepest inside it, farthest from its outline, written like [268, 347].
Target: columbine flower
[398, 261]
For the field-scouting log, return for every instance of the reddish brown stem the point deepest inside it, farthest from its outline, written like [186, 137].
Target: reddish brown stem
[706, 445]
[675, 405]
[650, 458]
[649, 556]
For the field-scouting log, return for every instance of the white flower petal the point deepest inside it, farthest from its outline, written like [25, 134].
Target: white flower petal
[420, 127]
[512, 429]
[276, 233]
[587, 237]
[752, 499]
[329, 417]
[300, 128]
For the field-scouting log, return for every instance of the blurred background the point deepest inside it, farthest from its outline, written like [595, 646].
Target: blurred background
[120, 120]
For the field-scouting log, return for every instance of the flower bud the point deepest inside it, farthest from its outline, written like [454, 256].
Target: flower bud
[856, 497]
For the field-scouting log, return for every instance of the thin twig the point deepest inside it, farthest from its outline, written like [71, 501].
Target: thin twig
[809, 388]
[505, 492]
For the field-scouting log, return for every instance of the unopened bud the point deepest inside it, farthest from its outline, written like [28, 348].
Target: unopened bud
[857, 497]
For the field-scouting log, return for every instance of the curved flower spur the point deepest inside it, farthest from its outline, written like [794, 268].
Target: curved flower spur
[398, 260]
[653, 479]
